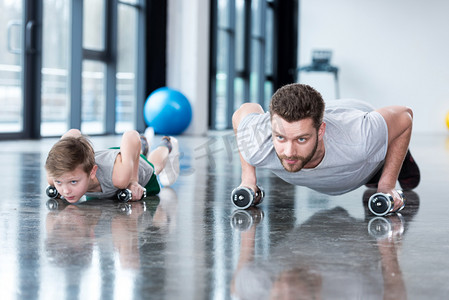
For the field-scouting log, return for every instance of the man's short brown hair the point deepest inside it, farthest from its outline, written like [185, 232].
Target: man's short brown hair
[295, 102]
[69, 153]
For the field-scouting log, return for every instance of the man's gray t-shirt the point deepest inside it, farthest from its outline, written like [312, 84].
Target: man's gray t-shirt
[105, 160]
[355, 141]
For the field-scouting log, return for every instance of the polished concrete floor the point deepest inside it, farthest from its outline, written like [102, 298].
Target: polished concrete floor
[190, 243]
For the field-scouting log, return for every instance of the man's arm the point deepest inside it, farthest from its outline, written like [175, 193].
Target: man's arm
[248, 171]
[126, 167]
[399, 121]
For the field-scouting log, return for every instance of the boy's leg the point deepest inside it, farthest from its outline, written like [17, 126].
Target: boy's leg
[158, 157]
[145, 145]
[147, 139]
[165, 159]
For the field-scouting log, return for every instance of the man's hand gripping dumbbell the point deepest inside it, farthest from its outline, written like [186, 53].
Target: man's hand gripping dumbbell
[243, 197]
[381, 204]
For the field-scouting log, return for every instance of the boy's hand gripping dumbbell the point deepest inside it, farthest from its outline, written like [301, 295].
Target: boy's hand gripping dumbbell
[126, 195]
[243, 197]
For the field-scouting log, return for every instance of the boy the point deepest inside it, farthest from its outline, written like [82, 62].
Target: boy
[74, 169]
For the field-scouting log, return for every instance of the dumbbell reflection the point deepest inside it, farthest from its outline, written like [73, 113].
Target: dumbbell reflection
[386, 227]
[243, 220]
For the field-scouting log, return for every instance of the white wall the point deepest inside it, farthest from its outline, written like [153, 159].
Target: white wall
[188, 57]
[389, 52]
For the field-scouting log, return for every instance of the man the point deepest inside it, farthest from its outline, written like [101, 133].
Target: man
[333, 150]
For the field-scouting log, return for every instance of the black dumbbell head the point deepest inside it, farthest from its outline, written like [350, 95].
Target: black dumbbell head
[380, 204]
[242, 197]
[52, 192]
[124, 195]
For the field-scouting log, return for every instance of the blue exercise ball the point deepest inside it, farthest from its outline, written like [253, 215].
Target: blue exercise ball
[168, 111]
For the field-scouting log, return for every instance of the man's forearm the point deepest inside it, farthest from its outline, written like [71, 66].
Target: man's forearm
[248, 173]
[393, 161]
[397, 149]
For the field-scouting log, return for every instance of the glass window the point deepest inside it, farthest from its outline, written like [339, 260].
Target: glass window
[255, 17]
[133, 2]
[11, 96]
[239, 89]
[268, 92]
[223, 13]
[269, 41]
[221, 80]
[249, 76]
[126, 68]
[94, 100]
[94, 24]
[240, 35]
[55, 59]
[254, 74]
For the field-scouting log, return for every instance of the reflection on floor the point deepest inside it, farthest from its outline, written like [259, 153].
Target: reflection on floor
[190, 243]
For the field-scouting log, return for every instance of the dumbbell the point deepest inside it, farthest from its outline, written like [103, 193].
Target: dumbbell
[125, 195]
[242, 220]
[243, 197]
[381, 204]
[52, 192]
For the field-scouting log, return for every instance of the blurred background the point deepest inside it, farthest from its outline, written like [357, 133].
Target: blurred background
[91, 64]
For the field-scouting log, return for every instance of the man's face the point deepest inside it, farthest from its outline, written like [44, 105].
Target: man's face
[295, 143]
[73, 185]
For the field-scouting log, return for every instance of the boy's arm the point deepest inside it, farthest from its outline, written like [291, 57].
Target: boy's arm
[248, 171]
[399, 121]
[126, 167]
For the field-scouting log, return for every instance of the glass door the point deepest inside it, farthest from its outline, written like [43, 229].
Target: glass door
[11, 66]
[55, 99]
[20, 67]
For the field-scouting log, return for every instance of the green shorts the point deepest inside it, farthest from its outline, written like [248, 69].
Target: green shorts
[152, 186]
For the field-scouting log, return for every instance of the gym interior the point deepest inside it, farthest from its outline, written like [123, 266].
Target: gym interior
[93, 64]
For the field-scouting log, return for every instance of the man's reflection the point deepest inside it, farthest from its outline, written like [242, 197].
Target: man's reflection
[330, 256]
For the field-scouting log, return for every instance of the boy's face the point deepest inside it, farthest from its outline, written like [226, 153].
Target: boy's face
[73, 185]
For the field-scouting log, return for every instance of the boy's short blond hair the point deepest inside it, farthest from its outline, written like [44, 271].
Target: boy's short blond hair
[69, 153]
